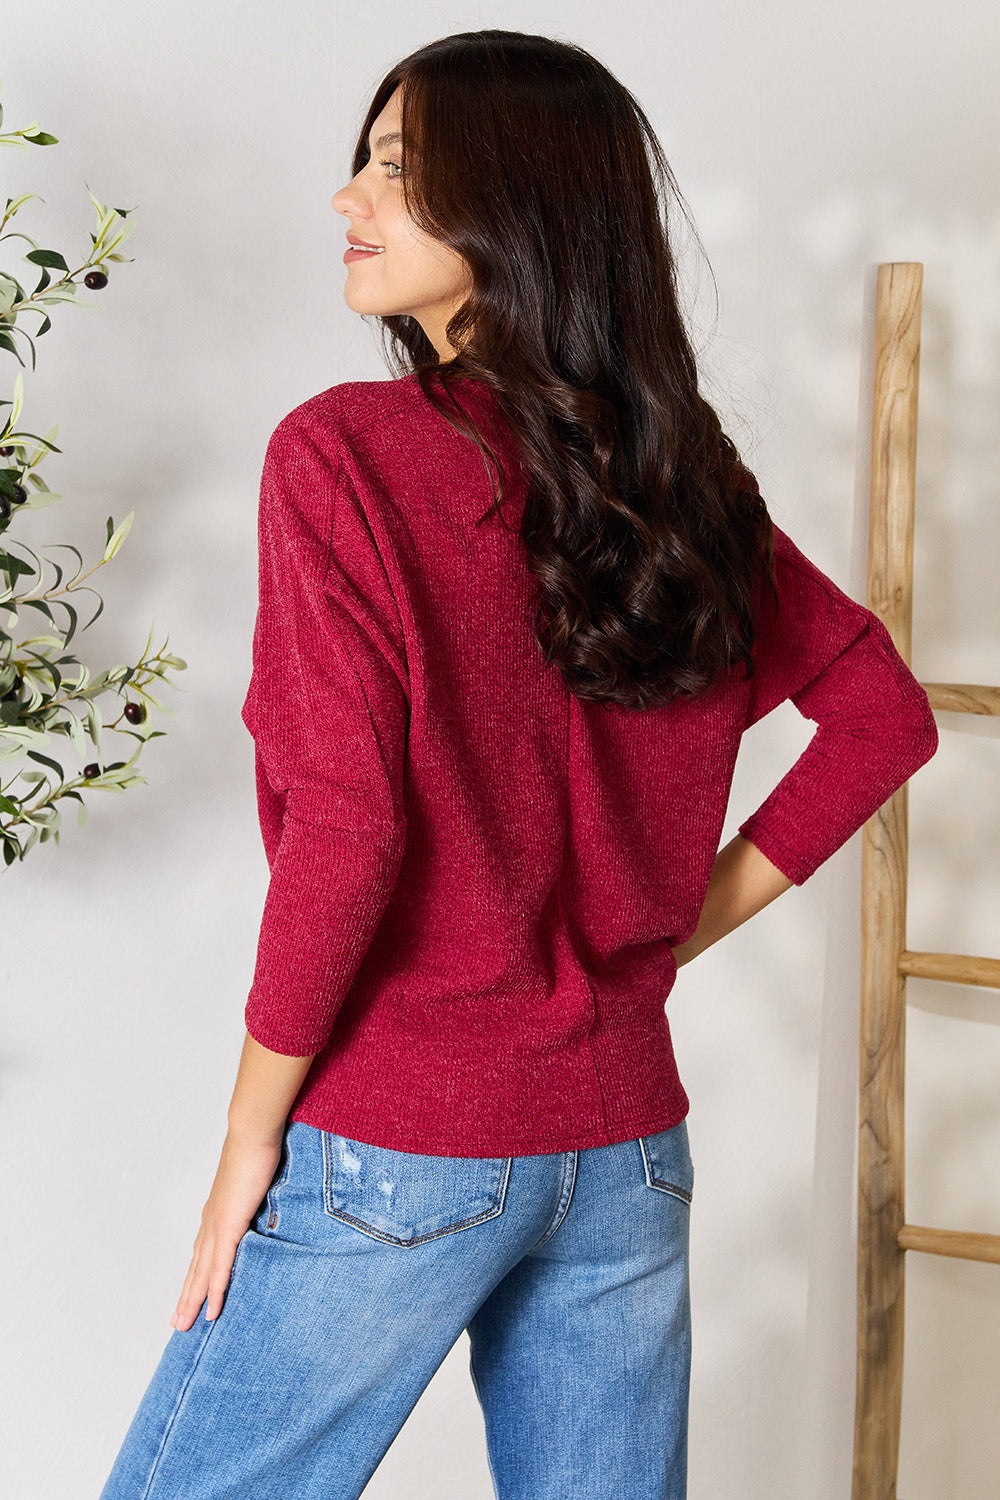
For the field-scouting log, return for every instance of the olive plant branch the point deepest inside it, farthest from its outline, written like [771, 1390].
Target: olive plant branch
[44, 293]
[74, 583]
[47, 690]
[110, 779]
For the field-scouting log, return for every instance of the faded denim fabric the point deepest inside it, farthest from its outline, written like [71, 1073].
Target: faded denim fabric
[361, 1269]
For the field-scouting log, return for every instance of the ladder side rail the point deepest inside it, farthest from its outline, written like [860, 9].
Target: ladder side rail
[883, 934]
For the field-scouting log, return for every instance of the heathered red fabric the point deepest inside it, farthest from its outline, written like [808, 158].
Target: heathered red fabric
[476, 879]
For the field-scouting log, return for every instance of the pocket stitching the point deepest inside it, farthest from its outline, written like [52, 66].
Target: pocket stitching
[273, 1210]
[391, 1239]
[662, 1184]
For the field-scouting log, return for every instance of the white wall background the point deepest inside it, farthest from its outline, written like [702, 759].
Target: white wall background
[811, 143]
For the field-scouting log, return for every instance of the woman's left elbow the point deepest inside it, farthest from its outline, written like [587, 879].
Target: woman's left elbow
[922, 738]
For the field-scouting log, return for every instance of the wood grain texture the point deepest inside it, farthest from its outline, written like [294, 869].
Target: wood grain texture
[951, 1242]
[962, 697]
[883, 930]
[954, 968]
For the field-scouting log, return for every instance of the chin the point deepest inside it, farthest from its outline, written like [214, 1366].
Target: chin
[370, 305]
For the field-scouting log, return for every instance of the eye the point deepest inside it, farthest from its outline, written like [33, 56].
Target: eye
[395, 164]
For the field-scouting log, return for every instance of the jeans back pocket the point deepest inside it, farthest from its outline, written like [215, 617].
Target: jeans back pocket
[405, 1198]
[667, 1161]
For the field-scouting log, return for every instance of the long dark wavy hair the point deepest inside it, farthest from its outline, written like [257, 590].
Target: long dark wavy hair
[647, 536]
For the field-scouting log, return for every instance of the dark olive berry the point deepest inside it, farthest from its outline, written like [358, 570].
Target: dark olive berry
[6, 452]
[135, 713]
[95, 280]
[91, 771]
[19, 495]
[4, 506]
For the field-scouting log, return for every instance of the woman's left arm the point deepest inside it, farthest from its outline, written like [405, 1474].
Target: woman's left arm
[266, 1086]
[742, 883]
[875, 728]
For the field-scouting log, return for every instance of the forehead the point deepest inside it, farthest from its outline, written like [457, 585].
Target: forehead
[389, 119]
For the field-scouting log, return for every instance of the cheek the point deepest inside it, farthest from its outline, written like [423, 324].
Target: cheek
[450, 270]
[424, 260]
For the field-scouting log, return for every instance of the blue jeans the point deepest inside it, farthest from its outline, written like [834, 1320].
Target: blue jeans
[362, 1268]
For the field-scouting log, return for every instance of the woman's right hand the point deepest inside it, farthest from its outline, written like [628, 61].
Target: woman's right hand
[244, 1175]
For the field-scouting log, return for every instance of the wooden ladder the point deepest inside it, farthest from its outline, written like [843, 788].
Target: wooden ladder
[886, 963]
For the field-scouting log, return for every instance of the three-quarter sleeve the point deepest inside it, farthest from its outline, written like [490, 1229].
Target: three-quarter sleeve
[836, 662]
[328, 709]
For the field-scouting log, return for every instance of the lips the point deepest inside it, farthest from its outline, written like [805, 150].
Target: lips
[363, 244]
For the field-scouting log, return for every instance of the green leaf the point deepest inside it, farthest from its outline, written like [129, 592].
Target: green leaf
[7, 806]
[76, 730]
[69, 546]
[94, 724]
[46, 760]
[36, 439]
[13, 204]
[72, 620]
[99, 610]
[119, 536]
[13, 565]
[19, 735]
[42, 138]
[47, 258]
[41, 500]
[44, 640]
[38, 604]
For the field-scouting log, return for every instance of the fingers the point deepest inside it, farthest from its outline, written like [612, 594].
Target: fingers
[207, 1279]
[241, 1181]
[189, 1303]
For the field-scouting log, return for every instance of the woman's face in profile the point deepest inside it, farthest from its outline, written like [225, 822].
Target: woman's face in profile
[409, 272]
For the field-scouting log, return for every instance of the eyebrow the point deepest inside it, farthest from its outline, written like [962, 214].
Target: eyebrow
[387, 140]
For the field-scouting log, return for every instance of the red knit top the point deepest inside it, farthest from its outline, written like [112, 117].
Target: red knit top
[476, 879]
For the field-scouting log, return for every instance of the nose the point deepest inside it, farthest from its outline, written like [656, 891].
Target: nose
[350, 200]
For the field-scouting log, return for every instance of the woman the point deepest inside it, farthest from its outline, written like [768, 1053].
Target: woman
[494, 744]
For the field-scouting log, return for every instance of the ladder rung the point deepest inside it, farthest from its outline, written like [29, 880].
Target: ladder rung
[963, 697]
[950, 1242]
[956, 968]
